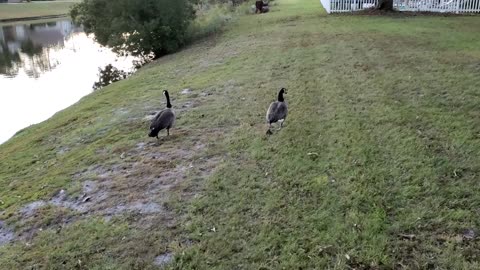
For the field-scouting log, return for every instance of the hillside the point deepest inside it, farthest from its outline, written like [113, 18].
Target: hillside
[376, 167]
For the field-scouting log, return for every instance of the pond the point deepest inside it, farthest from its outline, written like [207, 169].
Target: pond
[46, 67]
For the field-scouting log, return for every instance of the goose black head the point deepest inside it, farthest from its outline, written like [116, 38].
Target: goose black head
[280, 94]
[167, 96]
[153, 132]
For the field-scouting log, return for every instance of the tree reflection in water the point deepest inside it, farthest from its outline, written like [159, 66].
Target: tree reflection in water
[27, 47]
[37, 60]
[9, 62]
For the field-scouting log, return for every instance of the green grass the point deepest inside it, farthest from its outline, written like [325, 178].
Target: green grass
[34, 9]
[389, 106]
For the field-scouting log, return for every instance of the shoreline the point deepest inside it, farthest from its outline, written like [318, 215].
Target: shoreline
[34, 18]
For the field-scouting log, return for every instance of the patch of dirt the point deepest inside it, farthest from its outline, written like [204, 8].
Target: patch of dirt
[62, 150]
[230, 85]
[186, 91]
[188, 104]
[139, 184]
[82, 204]
[476, 67]
[469, 234]
[140, 207]
[148, 173]
[6, 235]
[163, 260]
[31, 208]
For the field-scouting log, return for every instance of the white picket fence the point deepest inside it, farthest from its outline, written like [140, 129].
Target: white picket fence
[451, 6]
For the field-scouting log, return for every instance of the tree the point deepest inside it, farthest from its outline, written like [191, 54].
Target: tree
[109, 75]
[137, 27]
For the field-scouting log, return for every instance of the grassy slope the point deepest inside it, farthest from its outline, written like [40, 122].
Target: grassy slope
[34, 9]
[390, 105]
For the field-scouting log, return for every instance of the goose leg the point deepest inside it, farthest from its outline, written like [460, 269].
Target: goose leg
[269, 130]
[168, 132]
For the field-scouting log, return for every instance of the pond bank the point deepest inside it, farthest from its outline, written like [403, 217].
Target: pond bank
[36, 18]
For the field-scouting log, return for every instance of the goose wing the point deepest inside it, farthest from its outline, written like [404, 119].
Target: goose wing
[277, 111]
[164, 119]
[282, 111]
[271, 112]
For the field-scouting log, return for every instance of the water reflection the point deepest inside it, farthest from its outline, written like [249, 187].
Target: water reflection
[9, 61]
[27, 46]
[44, 68]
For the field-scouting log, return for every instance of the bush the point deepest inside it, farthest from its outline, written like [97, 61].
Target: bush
[109, 75]
[211, 20]
[213, 16]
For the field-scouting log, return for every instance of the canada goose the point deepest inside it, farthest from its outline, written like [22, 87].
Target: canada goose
[164, 119]
[277, 112]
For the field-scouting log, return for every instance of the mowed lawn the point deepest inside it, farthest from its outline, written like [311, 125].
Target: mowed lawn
[34, 9]
[377, 166]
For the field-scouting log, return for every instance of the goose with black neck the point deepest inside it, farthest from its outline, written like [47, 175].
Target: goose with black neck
[277, 111]
[165, 119]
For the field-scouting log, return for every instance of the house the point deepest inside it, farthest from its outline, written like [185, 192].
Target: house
[449, 6]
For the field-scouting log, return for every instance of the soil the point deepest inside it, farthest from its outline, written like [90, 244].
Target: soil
[6, 235]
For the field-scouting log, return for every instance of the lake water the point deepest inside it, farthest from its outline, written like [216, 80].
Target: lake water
[44, 68]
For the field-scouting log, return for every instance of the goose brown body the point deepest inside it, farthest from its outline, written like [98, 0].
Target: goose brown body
[278, 110]
[165, 119]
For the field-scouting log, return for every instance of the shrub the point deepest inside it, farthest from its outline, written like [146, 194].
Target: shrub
[109, 75]
[211, 20]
